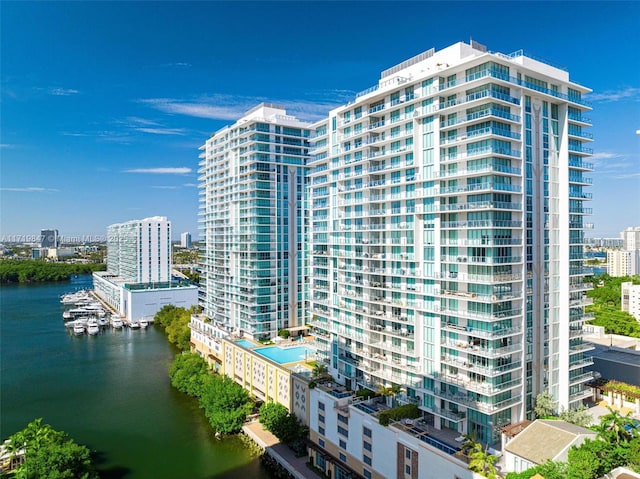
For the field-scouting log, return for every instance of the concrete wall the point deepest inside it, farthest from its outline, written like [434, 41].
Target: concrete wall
[145, 303]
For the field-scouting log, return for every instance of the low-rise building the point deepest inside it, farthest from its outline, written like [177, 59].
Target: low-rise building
[278, 373]
[137, 301]
[350, 441]
[542, 441]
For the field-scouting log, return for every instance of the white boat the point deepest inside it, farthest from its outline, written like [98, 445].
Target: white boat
[92, 327]
[116, 322]
[78, 329]
[144, 323]
[102, 322]
[134, 325]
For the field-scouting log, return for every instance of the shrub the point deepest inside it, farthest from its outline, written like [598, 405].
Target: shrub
[407, 411]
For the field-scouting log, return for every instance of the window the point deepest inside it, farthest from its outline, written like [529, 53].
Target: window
[407, 454]
[366, 473]
[366, 445]
[407, 469]
[321, 430]
[321, 442]
[366, 431]
[367, 460]
[343, 444]
[321, 418]
[343, 458]
[343, 419]
[343, 431]
[320, 406]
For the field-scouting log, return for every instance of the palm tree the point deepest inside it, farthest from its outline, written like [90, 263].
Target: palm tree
[319, 369]
[480, 460]
[617, 428]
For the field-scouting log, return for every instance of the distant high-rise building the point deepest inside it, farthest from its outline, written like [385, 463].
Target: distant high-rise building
[631, 238]
[447, 234]
[49, 238]
[618, 263]
[138, 280]
[139, 251]
[252, 209]
[185, 240]
[631, 244]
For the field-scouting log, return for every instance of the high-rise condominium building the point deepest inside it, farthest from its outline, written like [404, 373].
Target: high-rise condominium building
[139, 251]
[185, 240]
[447, 215]
[631, 244]
[619, 263]
[252, 215]
[49, 238]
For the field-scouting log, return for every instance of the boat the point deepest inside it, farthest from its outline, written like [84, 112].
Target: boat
[144, 323]
[116, 321]
[78, 329]
[102, 322]
[134, 325]
[92, 327]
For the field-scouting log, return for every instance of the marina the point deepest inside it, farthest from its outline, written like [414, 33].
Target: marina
[85, 313]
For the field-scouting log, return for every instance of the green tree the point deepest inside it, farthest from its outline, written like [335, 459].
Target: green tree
[188, 373]
[50, 453]
[579, 416]
[271, 413]
[64, 460]
[589, 460]
[225, 403]
[175, 322]
[319, 369]
[545, 405]
[617, 429]
[480, 461]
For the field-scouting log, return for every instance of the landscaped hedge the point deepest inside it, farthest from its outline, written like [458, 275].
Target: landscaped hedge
[408, 411]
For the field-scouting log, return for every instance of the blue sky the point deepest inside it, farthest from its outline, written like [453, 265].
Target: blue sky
[104, 105]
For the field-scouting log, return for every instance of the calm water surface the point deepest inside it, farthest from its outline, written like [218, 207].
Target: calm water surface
[110, 392]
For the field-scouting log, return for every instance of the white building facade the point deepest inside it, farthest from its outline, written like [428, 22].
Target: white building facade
[185, 240]
[139, 251]
[619, 263]
[447, 208]
[138, 280]
[252, 185]
[630, 300]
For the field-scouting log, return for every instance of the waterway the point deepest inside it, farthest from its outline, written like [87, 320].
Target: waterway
[110, 392]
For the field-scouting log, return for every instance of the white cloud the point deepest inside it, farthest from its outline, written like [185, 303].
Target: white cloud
[63, 91]
[8, 146]
[165, 187]
[232, 107]
[190, 185]
[627, 176]
[628, 93]
[161, 131]
[30, 189]
[603, 155]
[161, 171]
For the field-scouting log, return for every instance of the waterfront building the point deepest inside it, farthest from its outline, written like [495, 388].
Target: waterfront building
[138, 282]
[268, 373]
[49, 238]
[253, 177]
[447, 217]
[605, 242]
[185, 240]
[139, 251]
[619, 263]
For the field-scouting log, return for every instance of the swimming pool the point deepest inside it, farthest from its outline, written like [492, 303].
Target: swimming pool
[287, 355]
[245, 343]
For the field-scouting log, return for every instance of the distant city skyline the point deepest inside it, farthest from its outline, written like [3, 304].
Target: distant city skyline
[102, 125]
